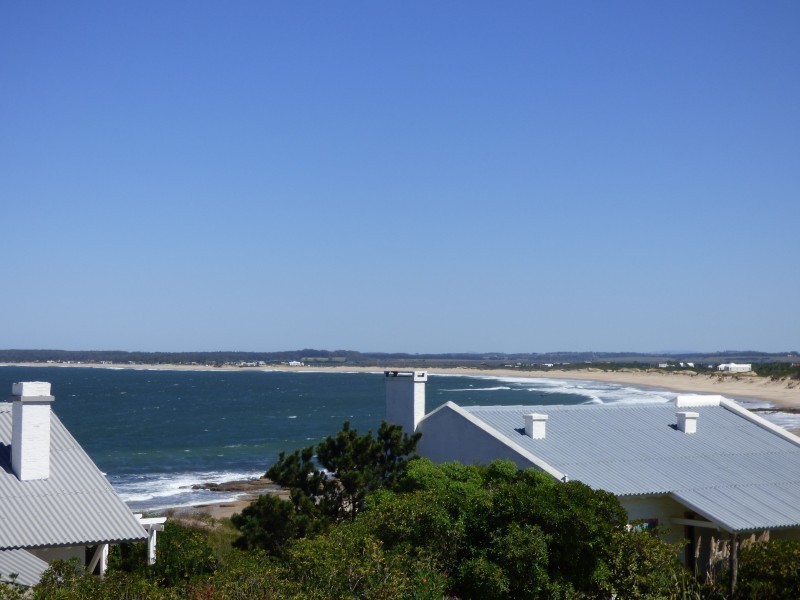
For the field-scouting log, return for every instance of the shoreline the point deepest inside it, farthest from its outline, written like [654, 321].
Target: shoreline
[781, 393]
[250, 489]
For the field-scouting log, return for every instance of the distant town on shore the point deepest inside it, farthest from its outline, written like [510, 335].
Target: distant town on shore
[763, 363]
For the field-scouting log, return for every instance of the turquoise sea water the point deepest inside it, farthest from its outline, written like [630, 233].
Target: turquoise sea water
[155, 433]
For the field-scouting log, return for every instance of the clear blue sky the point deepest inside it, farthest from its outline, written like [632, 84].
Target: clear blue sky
[400, 176]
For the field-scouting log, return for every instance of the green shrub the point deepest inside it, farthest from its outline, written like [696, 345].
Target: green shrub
[65, 580]
[349, 562]
[251, 575]
[643, 566]
[769, 570]
[181, 554]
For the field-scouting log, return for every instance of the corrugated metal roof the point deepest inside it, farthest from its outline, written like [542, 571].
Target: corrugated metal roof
[733, 506]
[76, 505]
[25, 565]
[735, 472]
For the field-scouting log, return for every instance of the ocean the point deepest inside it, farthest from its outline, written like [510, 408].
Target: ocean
[155, 433]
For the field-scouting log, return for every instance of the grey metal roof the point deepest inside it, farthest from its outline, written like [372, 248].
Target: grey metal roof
[737, 473]
[76, 505]
[27, 567]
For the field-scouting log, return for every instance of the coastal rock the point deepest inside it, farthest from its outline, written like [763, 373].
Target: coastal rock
[204, 486]
[248, 485]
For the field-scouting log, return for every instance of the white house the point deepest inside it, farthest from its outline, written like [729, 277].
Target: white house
[735, 368]
[55, 504]
[700, 465]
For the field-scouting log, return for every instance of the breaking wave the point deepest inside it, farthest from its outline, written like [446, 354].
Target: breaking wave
[172, 490]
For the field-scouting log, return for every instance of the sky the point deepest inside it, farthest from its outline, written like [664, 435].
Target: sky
[416, 176]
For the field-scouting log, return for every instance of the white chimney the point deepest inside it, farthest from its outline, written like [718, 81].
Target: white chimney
[535, 425]
[687, 421]
[30, 430]
[405, 398]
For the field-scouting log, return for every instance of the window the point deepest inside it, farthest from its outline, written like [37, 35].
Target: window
[643, 525]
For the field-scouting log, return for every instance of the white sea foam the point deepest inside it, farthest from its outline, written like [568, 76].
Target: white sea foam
[782, 419]
[154, 492]
[596, 391]
[487, 389]
[594, 400]
[599, 392]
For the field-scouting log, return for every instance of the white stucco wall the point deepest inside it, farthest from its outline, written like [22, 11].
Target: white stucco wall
[662, 508]
[735, 367]
[448, 436]
[61, 553]
[405, 398]
[30, 438]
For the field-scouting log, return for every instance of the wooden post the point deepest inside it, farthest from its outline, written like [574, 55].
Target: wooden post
[100, 557]
[152, 525]
[103, 560]
[734, 557]
[151, 546]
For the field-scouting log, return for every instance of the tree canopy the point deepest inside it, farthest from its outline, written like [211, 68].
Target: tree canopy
[410, 528]
[328, 483]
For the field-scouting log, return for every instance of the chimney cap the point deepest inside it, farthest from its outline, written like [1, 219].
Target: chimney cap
[697, 400]
[535, 425]
[687, 421]
[416, 375]
[536, 416]
[30, 389]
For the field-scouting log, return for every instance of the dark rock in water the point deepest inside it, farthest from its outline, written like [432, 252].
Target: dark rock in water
[250, 485]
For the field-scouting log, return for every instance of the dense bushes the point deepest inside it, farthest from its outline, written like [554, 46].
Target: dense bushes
[182, 554]
[770, 570]
[329, 483]
[63, 580]
[448, 531]
[388, 527]
[497, 532]
[444, 531]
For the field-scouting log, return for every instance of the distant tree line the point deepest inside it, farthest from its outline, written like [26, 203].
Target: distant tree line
[778, 370]
[605, 360]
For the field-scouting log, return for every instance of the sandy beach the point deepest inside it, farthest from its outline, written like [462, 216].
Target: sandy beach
[250, 490]
[782, 393]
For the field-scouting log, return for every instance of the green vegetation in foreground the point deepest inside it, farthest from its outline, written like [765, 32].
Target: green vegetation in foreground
[354, 466]
[390, 526]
